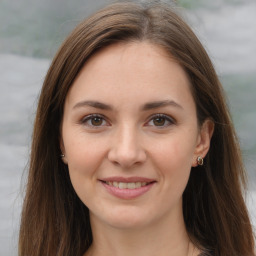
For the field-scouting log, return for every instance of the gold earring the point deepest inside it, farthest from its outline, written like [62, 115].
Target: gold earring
[200, 161]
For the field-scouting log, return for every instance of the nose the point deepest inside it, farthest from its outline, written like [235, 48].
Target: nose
[126, 149]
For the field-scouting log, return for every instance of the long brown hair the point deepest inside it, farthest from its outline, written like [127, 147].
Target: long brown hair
[55, 221]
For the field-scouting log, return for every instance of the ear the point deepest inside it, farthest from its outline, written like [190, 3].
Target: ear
[203, 140]
[63, 152]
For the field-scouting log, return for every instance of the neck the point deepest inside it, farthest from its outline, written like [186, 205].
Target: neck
[165, 238]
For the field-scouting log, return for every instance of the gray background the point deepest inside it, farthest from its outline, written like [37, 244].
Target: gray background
[32, 30]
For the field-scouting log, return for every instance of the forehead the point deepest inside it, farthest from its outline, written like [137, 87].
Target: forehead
[129, 71]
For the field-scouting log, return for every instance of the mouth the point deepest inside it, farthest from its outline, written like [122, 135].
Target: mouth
[127, 185]
[127, 188]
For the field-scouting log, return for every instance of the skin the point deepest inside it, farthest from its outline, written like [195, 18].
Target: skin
[127, 139]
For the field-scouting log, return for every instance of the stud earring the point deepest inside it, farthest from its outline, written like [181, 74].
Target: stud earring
[62, 155]
[200, 161]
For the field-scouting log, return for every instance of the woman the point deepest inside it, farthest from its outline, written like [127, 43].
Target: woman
[134, 151]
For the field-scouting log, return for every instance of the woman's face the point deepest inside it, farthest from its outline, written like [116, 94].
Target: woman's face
[130, 135]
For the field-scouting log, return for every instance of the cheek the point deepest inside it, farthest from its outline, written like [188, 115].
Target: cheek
[83, 152]
[173, 158]
[175, 150]
[84, 159]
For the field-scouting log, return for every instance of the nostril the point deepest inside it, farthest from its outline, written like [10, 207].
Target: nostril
[127, 159]
[125, 149]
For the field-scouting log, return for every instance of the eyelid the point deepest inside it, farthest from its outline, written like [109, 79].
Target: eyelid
[86, 118]
[90, 116]
[168, 118]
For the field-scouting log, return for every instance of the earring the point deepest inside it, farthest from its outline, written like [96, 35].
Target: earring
[62, 155]
[200, 161]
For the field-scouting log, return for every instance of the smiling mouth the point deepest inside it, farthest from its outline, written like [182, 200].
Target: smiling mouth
[127, 185]
[127, 188]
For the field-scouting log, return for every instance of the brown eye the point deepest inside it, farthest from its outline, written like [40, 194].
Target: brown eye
[159, 121]
[96, 121]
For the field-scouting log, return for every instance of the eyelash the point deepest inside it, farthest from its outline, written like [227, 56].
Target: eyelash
[166, 118]
[90, 117]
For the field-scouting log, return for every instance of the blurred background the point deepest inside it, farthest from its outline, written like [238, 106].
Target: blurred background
[32, 30]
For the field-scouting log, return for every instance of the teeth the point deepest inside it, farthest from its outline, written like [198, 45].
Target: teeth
[131, 185]
[138, 184]
[128, 185]
[122, 185]
[115, 184]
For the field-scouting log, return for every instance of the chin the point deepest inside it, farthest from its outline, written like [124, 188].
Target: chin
[127, 218]
[128, 223]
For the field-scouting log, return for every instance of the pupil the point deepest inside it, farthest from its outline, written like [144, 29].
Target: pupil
[96, 121]
[159, 121]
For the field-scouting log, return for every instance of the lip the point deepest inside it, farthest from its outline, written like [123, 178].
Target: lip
[127, 193]
[128, 179]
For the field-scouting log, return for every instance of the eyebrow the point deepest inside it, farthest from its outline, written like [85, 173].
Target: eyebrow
[158, 104]
[147, 106]
[94, 104]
